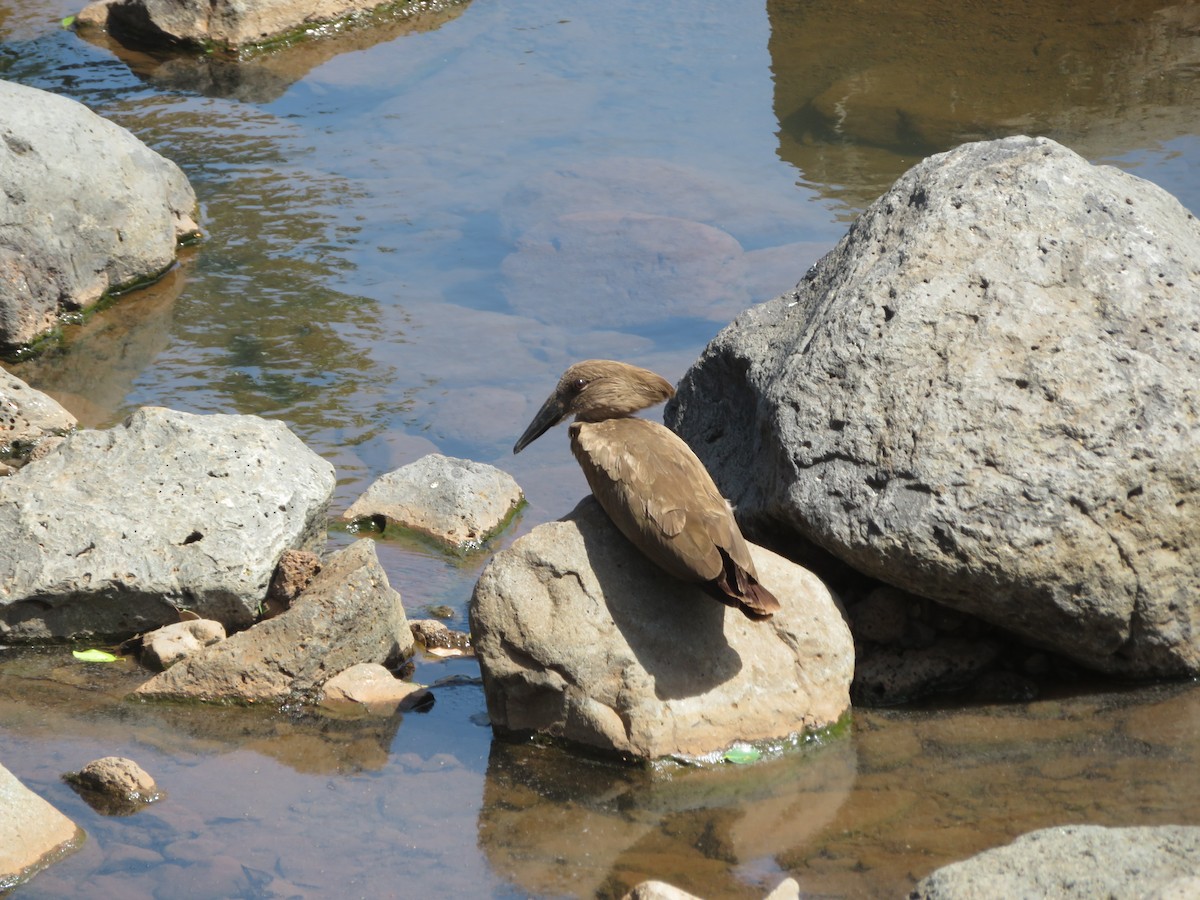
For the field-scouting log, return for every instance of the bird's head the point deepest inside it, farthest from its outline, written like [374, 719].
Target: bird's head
[594, 390]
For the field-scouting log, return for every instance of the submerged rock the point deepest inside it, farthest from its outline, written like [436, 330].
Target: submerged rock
[348, 615]
[33, 834]
[579, 636]
[118, 530]
[114, 785]
[89, 209]
[986, 395]
[1075, 862]
[456, 501]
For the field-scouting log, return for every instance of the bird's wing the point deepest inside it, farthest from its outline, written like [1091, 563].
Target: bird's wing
[660, 496]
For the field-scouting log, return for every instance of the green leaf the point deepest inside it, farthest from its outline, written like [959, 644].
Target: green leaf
[68, 21]
[742, 754]
[95, 656]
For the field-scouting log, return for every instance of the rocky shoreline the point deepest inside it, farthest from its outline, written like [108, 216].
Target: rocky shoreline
[975, 420]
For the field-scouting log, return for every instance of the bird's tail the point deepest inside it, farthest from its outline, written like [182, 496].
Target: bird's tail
[738, 588]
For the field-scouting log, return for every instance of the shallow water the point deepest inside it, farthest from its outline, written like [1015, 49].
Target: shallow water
[411, 230]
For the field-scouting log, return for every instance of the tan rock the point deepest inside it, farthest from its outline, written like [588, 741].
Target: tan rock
[580, 637]
[372, 686]
[165, 646]
[348, 615]
[224, 23]
[33, 834]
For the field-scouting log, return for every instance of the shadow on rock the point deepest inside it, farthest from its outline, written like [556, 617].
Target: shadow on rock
[691, 657]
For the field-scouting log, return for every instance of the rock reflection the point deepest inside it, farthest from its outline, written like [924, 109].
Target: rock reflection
[861, 95]
[556, 825]
[264, 75]
[45, 692]
[92, 369]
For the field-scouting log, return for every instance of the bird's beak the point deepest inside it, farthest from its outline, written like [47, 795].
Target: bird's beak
[552, 412]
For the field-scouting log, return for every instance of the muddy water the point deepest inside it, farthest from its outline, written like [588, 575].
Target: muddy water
[410, 230]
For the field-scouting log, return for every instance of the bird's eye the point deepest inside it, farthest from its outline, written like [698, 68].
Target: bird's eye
[578, 385]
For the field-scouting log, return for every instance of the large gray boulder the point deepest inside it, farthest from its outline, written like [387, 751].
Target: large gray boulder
[348, 615]
[985, 394]
[117, 530]
[581, 637]
[85, 208]
[1076, 862]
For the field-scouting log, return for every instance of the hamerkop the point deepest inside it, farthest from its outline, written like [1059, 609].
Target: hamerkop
[650, 482]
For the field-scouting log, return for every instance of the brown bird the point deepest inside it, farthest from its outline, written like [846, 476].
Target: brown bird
[650, 482]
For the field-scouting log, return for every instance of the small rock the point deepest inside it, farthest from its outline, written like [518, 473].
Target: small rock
[164, 647]
[372, 686]
[435, 635]
[658, 890]
[114, 785]
[349, 614]
[456, 501]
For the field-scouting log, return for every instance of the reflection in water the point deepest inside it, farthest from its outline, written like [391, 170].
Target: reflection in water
[561, 826]
[264, 75]
[863, 93]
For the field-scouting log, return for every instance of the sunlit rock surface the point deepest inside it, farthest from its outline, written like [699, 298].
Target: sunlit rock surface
[27, 417]
[348, 615]
[85, 208]
[458, 502]
[254, 77]
[118, 530]
[1076, 862]
[581, 637]
[986, 395]
[228, 24]
[33, 834]
[165, 646]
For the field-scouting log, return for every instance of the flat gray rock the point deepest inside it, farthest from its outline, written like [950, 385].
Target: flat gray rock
[85, 208]
[1074, 862]
[986, 395]
[348, 615]
[579, 636]
[456, 501]
[118, 530]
